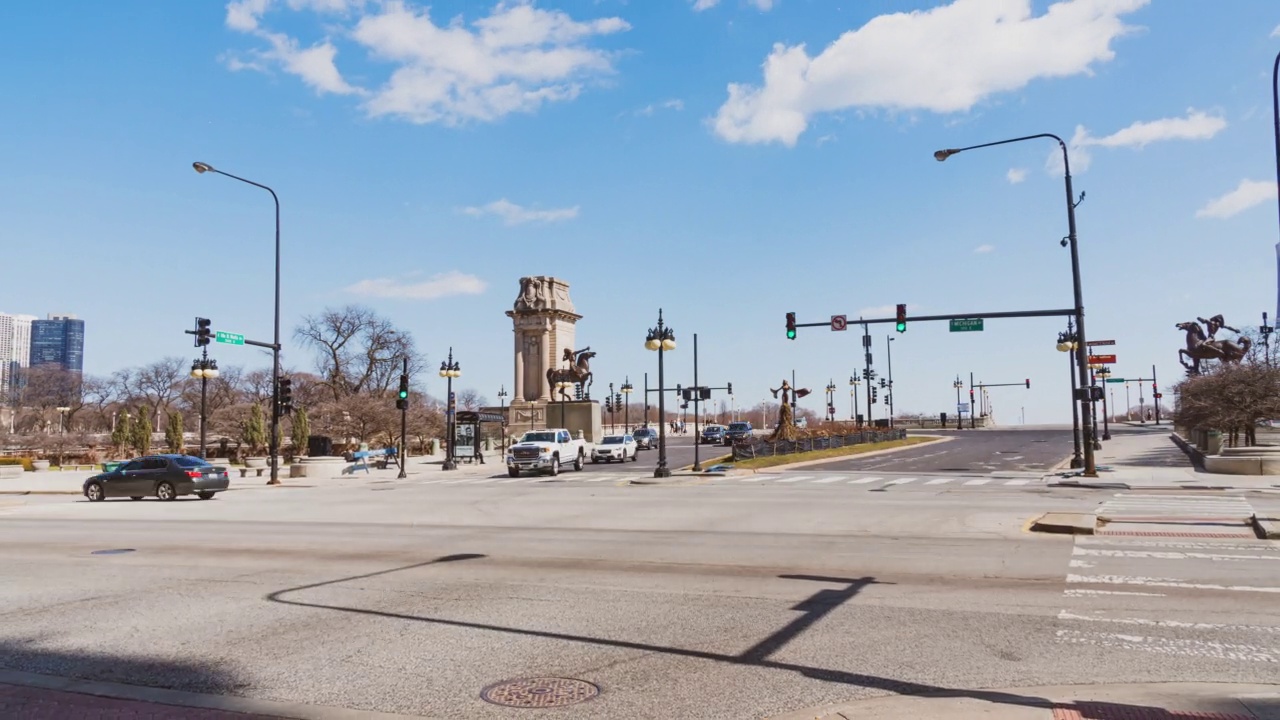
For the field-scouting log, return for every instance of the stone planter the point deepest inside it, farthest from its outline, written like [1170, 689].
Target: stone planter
[255, 462]
[40, 465]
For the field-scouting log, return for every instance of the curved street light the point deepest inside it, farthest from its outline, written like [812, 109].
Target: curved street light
[1090, 468]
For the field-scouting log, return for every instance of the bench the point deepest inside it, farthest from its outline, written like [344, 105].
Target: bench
[89, 466]
[245, 471]
[381, 458]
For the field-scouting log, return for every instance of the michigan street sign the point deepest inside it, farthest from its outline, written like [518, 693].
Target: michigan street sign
[1116, 380]
[1098, 343]
[967, 325]
[229, 338]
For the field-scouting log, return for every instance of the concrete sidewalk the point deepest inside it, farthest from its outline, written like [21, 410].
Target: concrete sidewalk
[1154, 701]
[1142, 458]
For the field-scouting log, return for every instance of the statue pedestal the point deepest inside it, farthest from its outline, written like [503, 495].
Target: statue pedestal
[577, 416]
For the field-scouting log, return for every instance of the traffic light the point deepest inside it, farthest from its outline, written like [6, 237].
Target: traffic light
[875, 395]
[203, 333]
[1028, 383]
[286, 396]
[617, 400]
[729, 387]
[791, 326]
[402, 398]
[902, 317]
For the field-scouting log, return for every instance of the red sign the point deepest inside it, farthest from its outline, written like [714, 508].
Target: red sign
[1102, 359]
[839, 322]
[1159, 395]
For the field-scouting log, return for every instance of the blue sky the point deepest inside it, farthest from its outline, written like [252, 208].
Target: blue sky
[728, 161]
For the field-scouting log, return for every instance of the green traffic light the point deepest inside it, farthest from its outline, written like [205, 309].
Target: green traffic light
[791, 334]
[404, 394]
[902, 327]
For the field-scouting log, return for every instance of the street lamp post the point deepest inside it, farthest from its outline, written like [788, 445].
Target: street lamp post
[1104, 373]
[613, 411]
[502, 404]
[831, 401]
[449, 369]
[888, 349]
[563, 386]
[1067, 344]
[273, 442]
[1093, 407]
[661, 339]
[627, 389]
[959, 416]
[853, 398]
[205, 370]
[1090, 467]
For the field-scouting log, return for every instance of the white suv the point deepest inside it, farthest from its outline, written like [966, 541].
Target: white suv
[614, 447]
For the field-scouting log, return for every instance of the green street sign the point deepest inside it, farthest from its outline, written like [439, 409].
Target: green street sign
[967, 325]
[229, 338]
[1115, 380]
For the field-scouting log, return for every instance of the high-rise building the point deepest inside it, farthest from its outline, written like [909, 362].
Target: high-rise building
[15, 350]
[58, 340]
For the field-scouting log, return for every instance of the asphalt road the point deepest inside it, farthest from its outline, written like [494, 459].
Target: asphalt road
[971, 451]
[688, 601]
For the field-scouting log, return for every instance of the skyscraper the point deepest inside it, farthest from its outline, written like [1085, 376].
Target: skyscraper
[15, 349]
[58, 340]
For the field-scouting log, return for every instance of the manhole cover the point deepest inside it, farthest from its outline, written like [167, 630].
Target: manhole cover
[539, 692]
[113, 551]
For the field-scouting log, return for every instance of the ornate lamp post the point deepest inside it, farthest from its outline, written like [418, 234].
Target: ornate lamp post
[959, 416]
[1067, 343]
[1105, 373]
[275, 342]
[853, 397]
[831, 401]
[502, 404]
[1090, 468]
[205, 370]
[449, 369]
[661, 339]
[563, 386]
[626, 389]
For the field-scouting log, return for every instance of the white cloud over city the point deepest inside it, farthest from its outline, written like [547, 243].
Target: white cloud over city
[984, 249]
[1248, 194]
[516, 58]
[513, 214]
[1016, 175]
[1196, 125]
[944, 60]
[410, 288]
[761, 5]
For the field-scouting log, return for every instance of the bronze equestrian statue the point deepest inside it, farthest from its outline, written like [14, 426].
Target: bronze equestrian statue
[578, 372]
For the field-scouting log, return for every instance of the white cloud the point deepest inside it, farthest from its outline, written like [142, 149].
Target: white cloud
[1276, 31]
[944, 60]
[514, 59]
[513, 214]
[1016, 175]
[1197, 125]
[700, 5]
[434, 287]
[1246, 195]
[983, 249]
[762, 5]
[651, 108]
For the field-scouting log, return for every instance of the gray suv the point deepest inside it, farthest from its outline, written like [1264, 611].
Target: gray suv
[646, 438]
[737, 432]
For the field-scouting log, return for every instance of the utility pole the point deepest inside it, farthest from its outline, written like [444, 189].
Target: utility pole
[1155, 393]
[404, 416]
[973, 422]
[888, 349]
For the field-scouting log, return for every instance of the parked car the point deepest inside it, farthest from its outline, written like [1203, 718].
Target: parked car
[737, 432]
[615, 447]
[712, 435]
[646, 438]
[165, 476]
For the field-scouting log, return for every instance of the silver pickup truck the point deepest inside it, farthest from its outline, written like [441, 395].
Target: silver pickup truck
[544, 451]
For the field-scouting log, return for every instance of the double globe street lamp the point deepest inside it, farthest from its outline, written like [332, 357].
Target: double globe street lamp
[661, 340]
[449, 369]
[1067, 342]
[627, 388]
[204, 370]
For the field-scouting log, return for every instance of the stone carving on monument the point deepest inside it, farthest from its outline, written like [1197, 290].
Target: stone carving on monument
[1203, 345]
[786, 427]
[543, 322]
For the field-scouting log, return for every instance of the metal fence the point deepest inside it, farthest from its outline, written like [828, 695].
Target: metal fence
[765, 448]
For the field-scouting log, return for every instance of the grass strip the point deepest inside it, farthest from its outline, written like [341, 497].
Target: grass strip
[776, 460]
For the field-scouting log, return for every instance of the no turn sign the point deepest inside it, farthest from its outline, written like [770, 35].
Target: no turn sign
[839, 322]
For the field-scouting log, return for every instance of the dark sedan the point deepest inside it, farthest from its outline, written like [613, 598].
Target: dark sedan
[646, 438]
[163, 476]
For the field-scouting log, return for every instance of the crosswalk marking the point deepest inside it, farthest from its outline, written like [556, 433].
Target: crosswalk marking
[1017, 482]
[979, 481]
[833, 478]
[756, 478]
[513, 480]
[864, 481]
[795, 479]
[939, 481]
[486, 480]
[901, 481]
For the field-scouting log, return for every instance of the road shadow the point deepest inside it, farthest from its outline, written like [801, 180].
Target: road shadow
[1226, 708]
[29, 655]
[812, 608]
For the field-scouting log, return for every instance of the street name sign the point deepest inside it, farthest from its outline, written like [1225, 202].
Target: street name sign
[967, 325]
[839, 322]
[1102, 359]
[229, 338]
[1116, 380]
[1098, 343]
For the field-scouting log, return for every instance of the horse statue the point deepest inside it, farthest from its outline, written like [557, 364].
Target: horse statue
[1202, 346]
[579, 372]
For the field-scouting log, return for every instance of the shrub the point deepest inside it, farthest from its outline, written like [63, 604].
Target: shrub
[25, 462]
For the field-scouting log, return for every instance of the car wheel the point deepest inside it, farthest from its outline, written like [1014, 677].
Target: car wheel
[577, 463]
[94, 492]
[512, 472]
[135, 497]
[165, 491]
[205, 495]
[555, 466]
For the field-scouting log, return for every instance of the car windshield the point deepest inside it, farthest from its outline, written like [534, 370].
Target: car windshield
[538, 437]
[612, 440]
[737, 426]
[187, 461]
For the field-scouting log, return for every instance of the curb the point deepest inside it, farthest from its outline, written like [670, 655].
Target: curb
[1267, 528]
[179, 698]
[1060, 523]
[873, 453]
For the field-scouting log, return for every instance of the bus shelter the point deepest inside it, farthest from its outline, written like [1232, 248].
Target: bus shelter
[466, 434]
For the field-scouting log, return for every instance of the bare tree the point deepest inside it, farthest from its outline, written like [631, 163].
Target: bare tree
[357, 351]
[159, 384]
[469, 399]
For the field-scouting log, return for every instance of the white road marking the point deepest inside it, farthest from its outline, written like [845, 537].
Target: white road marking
[1080, 564]
[756, 478]
[979, 481]
[1261, 546]
[1163, 582]
[486, 480]
[1169, 646]
[1017, 482]
[1067, 615]
[1083, 592]
[795, 479]
[1168, 555]
[938, 481]
[864, 481]
[833, 478]
[515, 480]
[900, 481]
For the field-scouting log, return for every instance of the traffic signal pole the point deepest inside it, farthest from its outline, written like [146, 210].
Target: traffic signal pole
[404, 424]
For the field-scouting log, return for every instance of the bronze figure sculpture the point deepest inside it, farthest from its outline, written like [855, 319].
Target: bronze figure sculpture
[786, 428]
[1201, 344]
[578, 372]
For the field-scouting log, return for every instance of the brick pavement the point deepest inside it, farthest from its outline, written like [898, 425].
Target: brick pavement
[21, 702]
